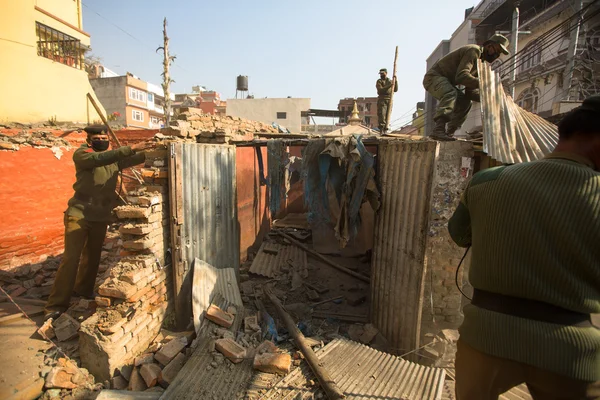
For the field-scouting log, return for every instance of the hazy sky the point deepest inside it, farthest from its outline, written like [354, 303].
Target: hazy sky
[325, 50]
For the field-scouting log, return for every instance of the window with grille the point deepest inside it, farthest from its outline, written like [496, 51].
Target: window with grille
[528, 100]
[137, 115]
[138, 95]
[59, 47]
[532, 56]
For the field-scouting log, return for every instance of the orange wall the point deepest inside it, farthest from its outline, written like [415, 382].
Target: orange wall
[132, 122]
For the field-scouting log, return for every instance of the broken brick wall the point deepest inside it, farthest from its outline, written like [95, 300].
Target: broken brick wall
[134, 300]
[442, 299]
[35, 184]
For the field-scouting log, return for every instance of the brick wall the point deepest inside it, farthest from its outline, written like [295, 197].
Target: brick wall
[442, 254]
[134, 299]
[36, 181]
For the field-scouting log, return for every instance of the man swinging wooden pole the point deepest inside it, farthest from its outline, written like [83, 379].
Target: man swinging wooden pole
[385, 92]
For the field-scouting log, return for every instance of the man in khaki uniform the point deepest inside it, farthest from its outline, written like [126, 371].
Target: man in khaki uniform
[88, 214]
[384, 95]
[459, 68]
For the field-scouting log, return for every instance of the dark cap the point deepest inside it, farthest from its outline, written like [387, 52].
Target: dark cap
[502, 41]
[383, 70]
[96, 129]
[592, 103]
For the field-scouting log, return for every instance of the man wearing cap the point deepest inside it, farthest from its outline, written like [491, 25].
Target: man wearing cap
[384, 95]
[534, 229]
[459, 68]
[88, 214]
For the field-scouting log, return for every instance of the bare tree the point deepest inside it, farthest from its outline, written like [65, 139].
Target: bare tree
[166, 85]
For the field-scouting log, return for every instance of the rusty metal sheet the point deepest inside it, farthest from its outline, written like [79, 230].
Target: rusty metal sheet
[270, 265]
[362, 372]
[511, 134]
[406, 175]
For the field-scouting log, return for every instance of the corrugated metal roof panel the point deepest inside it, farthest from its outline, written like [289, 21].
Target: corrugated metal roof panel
[517, 393]
[511, 134]
[269, 265]
[406, 172]
[362, 372]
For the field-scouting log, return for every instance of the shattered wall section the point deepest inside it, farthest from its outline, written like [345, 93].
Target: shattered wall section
[134, 299]
[442, 299]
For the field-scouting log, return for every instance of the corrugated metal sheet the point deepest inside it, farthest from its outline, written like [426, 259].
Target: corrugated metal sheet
[362, 372]
[511, 134]
[517, 393]
[406, 172]
[205, 217]
[269, 265]
[198, 381]
[207, 283]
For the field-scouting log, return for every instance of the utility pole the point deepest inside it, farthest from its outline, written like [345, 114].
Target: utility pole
[513, 48]
[568, 74]
[166, 85]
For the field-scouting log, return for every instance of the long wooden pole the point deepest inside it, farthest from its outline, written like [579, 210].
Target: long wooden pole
[389, 110]
[111, 133]
[332, 390]
[325, 260]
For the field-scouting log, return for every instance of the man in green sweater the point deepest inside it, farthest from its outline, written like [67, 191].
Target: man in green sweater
[459, 68]
[88, 214]
[534, 229]
[384, 96]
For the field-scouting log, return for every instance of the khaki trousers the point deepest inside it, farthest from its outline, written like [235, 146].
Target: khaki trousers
[80, 261]
[483, 377]
[453, 104]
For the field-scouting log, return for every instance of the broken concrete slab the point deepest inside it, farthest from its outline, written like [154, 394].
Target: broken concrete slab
[65, 327]
[230, 349]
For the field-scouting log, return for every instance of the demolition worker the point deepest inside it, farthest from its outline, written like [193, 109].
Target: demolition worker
[459, 68]
[384, 95]
[88, 214]
[534, 229]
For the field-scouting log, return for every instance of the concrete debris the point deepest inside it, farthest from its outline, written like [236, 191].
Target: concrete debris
[66, 375]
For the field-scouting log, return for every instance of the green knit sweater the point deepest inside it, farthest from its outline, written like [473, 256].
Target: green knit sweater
[535, 234]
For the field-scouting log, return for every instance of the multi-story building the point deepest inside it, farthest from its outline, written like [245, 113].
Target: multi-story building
[136, 103]
[557, 52]
[287, 112]
[367, 109]
[209, 101]
[42, 46]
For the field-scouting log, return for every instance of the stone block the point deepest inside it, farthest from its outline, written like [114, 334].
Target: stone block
[65, 327]
[151, 374]
[172, 369]
[136, 383]
[169, 351]
[219, 317]
[273, 363]
[132, 212]
[230, 349]
[118, 383]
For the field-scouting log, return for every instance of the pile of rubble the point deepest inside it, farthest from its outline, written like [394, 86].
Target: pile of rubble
[32, 139]
[206, 128]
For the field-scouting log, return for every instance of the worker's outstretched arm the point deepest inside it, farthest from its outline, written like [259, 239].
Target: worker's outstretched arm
[88, 158]
[463, 73]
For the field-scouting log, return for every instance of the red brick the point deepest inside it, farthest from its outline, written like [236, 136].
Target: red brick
[230, 349]
[138, 295]
[146, 358]
[151, 374]
[218, 316]
[136, 382]
[273, 363]
[169, 351]
[118, 383]
[133, 212]
[103, 301]
[18, 292]
[172, 369]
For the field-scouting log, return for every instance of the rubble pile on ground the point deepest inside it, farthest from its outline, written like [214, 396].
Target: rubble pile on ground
[32, 139]
[133, 300]
[207, 128]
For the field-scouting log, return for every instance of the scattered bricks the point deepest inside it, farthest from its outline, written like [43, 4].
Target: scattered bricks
[369, 334]
[46, 330]
[133, 212]
[273, 363]
[138, 244]
[251, 324]
[86, 304]
[151, 374]
[267, 347]
[356, 300]
[38, 280]
[102, 301]
[65, 327]
[126, 371]
[28, 284]
[169, 351]
[19, 291]
[172, 369]
[312, 295]
[59, 378]
[219, 317]
[136, 383]
[117, 289]
[118, 383]
[146, 358]
[230, 349]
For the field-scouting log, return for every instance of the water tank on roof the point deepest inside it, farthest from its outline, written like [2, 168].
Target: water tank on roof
[242, 83]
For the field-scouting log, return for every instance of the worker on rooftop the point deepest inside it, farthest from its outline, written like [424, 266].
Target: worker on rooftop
[534, 229]
[384, 95]
[88, 214]
[459, 68]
